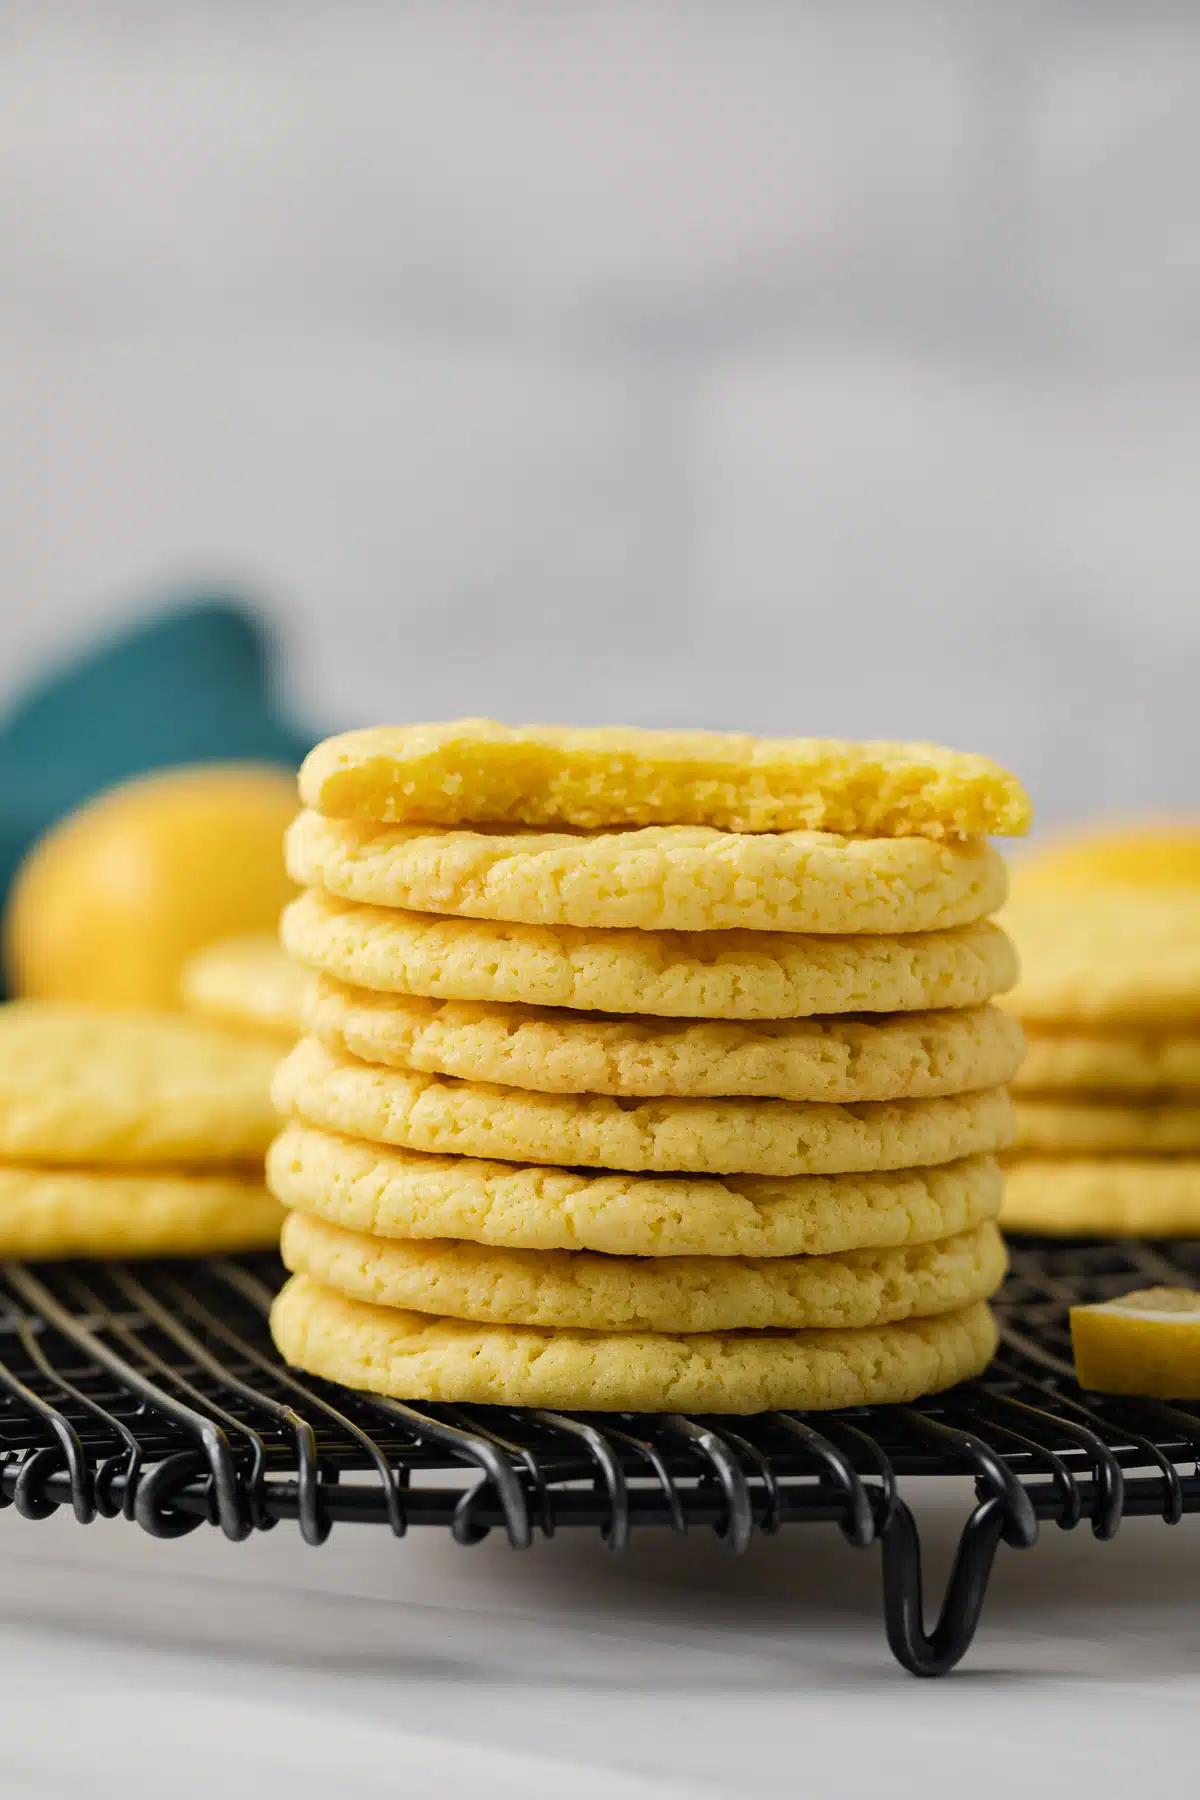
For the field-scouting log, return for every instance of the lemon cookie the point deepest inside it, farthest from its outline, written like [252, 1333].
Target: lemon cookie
[412, 1356]
[122, 1212]
[472, 770]
[577, 1291]
[411, 1194]
[1109, 1064]
[1061, 1128]
[78, 1085]
[249, 983]
[661, 878]
[706, 1137]
[547, 1050]
[1117, 1196]
[1108, 958]
[697, 974]
[1139, 853]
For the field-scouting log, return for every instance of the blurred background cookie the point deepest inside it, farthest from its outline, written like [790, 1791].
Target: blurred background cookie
[1108, 1126]
[130, 1134]
[248, 983]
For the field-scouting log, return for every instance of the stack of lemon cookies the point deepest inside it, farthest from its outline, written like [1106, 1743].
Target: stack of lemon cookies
[130, 1134]
[1108, 1105]
[645, 1070]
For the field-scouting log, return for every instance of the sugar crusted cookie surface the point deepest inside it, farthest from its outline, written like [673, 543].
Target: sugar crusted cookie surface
[412, 1356]
[575, 1290]
[756, 1137]
[473, 770]
[702, 974]
[78, 1085]
[47, 1213]
[1110, 1196]
[248, 983]
[397, 1193]
[554, 1051]
[672, 878]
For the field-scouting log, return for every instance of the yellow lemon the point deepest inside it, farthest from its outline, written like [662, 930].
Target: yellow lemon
[1147, 1342]
[1148, 855]
[112, 901]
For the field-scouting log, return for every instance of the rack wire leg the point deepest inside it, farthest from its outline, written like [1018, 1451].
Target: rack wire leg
[937, 1651]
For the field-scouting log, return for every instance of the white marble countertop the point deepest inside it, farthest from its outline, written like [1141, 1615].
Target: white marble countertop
[370, 1667]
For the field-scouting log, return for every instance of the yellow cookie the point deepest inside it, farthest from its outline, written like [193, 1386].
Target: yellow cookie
[78, 1085]
[48, 1213]
[697, 974]
[661, 878]
[546, 1050]
[1057, 1062]
[1108, 958]
[704, 1137]
[1060, 1128]
[408, 1194]
[577, 1291]
[473, 770]
[411, 1356]
[1149, 853]
[1112, 1196]
[249, 983]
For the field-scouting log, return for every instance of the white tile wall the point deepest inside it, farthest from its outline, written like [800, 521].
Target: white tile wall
[768, 362]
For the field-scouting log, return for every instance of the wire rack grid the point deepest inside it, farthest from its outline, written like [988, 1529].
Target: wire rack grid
[152, 1391]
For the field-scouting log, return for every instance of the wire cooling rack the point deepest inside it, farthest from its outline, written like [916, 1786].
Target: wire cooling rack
[152, 1391]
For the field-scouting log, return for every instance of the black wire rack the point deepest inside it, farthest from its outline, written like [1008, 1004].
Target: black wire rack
[152, 1391]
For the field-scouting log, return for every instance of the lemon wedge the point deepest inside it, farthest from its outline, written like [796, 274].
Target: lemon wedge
[1147, 1342]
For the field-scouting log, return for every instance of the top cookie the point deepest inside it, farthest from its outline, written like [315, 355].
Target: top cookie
[474, 771]
[78, 1085]
[659, 878]
[1107, 957]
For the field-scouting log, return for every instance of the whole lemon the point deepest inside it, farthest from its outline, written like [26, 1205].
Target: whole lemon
[1135, 855]
[110, 903]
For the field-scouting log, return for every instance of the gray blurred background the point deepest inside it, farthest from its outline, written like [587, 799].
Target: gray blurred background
[823, 366]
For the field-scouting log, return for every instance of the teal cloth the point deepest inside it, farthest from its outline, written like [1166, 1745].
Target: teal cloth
[192, 684]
